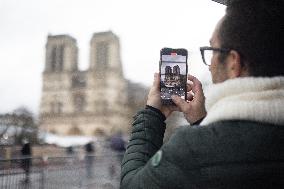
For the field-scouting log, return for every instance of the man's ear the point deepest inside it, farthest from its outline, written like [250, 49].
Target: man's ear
[234, 67]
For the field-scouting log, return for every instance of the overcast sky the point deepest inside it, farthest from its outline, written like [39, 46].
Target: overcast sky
[144, 27]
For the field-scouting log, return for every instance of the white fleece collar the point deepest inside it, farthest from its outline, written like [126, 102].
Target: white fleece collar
[255, 99]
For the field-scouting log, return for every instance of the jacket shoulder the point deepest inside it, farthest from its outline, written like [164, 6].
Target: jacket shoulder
[225, 142]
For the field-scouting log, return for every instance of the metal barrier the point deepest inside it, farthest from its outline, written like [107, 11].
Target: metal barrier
[70, 172]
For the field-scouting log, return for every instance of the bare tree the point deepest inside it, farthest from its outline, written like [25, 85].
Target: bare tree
[19, 125]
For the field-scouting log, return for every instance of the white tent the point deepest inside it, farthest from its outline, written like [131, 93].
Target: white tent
[65, 141]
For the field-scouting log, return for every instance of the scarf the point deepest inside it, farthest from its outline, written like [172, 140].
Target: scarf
[258, 99]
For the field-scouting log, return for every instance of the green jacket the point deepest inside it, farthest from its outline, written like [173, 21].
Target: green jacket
[227, 154]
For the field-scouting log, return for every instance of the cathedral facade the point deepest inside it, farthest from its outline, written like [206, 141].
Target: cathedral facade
[90, 102]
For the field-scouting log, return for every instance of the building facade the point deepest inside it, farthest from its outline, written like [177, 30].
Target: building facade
[90, 102]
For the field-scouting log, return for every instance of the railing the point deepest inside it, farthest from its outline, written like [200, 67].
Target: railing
[70, 172]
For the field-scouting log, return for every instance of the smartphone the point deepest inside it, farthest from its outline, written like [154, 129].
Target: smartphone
[173, 74]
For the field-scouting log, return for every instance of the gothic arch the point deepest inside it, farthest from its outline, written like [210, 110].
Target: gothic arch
[79, 102]
[99, 132]
[75, 131]
[53, 131]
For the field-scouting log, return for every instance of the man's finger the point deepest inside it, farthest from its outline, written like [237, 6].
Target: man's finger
[156, 82]
[181, 103]
[189, 96]
[196, 86]
[188, 87]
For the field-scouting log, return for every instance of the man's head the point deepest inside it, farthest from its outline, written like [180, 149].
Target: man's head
[253, 32]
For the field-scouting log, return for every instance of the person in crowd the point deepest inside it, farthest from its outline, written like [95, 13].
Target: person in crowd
[26, 160]
[117, 145]
[236, 136]
[70, 150]
[89, 159]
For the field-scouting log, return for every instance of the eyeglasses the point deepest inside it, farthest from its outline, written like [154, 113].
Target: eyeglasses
[207, 53]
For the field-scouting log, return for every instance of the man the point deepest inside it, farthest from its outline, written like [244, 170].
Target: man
[237, 136]
[26, 152]
[89, 159]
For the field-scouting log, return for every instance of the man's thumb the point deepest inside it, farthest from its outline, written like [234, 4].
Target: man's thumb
[181, 103]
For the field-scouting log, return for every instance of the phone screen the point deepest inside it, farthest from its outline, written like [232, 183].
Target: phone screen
[173, 74]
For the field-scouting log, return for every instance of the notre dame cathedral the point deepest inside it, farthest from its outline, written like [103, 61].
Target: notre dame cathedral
[91, 102]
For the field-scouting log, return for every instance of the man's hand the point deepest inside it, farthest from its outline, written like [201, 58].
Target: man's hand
[194, 106]
[154, 98]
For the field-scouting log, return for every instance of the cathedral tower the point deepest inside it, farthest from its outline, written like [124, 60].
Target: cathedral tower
[61, 54]
[105, 73]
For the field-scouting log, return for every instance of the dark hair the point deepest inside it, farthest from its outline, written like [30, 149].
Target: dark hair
[255, 30]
